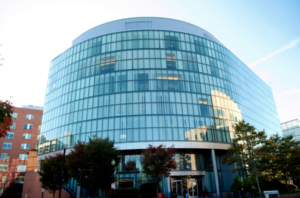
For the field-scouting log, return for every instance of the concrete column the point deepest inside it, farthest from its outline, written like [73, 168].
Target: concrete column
[78, 192]
[168, 186]
[215, 168]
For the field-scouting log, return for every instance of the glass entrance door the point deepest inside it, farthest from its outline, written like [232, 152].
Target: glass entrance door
[176, 186]
[192, 188]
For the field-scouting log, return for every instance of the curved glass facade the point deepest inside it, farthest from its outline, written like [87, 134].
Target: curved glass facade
[143, 81]
[151, 86]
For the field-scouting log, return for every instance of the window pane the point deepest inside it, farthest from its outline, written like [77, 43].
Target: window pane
[25, 146]
[28, 126]
[3, 167]
[20, 179]
[13, 126]
[21, 168]
[4, 178]
[10, 135]
[7, 146]
[29, 117]
[26, 136]
[23, 156]
[5, 156]
[14, 116]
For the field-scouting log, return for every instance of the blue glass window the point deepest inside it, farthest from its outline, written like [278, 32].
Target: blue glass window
[25, 146]
[5, 156]
[7, 146]
[21, 168]
[10, 135]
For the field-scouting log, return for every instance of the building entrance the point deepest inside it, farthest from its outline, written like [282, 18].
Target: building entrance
[192, 188]
[190, 184]
[177, 186]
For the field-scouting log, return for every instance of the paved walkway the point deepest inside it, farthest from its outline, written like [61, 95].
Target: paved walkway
[290, 196]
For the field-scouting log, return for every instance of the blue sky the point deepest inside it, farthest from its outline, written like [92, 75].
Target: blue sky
[264, 34]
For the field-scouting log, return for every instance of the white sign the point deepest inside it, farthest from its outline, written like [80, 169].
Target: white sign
[271, 192]
[113, 186]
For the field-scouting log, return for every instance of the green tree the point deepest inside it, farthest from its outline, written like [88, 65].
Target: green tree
[158, 162]
[51, 173]
[249, 184]
[236, 185]
[6, 110]
[90, 163]
[244, 152]
[280, 159]
[284, 153]
[294, 163]
[267, 163]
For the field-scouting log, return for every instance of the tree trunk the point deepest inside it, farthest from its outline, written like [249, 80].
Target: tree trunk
[287, 187]
[54, 194]
[285, 179]
[257, 180]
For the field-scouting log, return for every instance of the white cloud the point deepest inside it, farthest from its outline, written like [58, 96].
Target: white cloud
[282, 49]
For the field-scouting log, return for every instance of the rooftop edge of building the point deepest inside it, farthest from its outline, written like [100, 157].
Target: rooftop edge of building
[144, 23]
[290, 121]
[32, 107]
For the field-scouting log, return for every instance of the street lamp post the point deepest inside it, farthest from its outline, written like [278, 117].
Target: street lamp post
[113, 163]
[43, 192]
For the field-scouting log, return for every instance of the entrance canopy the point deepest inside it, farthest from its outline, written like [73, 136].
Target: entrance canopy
[186, 173]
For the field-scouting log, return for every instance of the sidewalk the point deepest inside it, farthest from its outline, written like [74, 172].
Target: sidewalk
[297, 195]
[292, 196]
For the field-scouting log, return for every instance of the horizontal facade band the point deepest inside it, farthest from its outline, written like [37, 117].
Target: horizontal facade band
[144, 23]
[144, 145]
[187, 173]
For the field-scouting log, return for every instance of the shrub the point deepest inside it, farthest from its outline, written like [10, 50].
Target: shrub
[249, 184]
[125, 193]
[33, 150]
[13, 190]
[148, 190]
[236, 185]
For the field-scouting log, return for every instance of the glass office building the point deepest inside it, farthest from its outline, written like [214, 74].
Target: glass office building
[149, 80]
[291, 128]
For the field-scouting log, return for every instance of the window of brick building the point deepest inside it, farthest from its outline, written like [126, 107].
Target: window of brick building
[10, 135]
[6, 145]
[29, 116]
[25, 146]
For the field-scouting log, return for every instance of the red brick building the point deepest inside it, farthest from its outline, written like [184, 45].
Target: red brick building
[32, 186]
[14, 148]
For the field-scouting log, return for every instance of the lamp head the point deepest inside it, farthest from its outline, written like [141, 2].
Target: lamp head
[113, 163]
